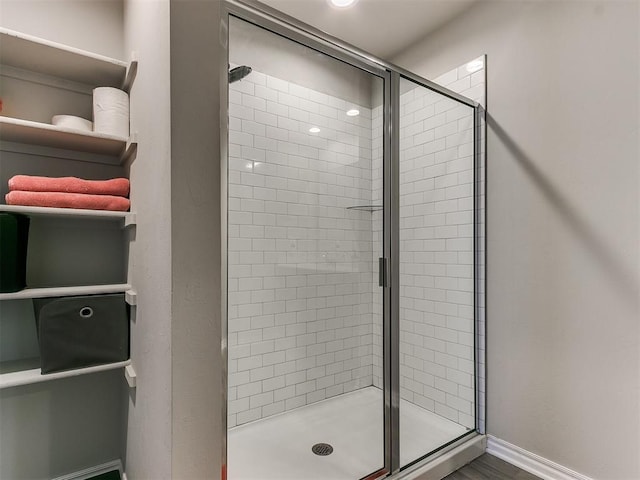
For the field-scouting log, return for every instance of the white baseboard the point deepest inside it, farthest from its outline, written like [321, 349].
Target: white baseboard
[530, 462]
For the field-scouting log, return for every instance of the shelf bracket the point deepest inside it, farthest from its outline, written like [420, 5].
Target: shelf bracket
[130, 375]
[131, 148]
[131, 297]
[132, 71]
[129, 219]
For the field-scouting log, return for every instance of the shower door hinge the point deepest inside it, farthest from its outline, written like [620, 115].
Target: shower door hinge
[383, 276]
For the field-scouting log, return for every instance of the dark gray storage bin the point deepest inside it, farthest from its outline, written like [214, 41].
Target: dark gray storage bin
[14, 233]
[78, 332]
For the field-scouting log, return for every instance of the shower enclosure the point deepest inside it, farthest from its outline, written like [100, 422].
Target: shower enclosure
[352, 279]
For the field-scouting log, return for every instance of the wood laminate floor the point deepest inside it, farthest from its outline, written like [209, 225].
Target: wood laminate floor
[488, 467]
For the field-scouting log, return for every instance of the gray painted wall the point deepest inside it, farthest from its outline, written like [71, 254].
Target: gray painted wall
[197, 269]
[54, 428]
[148, 446]
[563, 340]
[94, 25]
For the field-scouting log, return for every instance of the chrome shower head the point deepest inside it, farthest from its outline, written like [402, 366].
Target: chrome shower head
[238, 73]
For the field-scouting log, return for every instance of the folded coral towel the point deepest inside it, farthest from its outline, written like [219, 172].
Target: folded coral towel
[30, 183]
[68, 200]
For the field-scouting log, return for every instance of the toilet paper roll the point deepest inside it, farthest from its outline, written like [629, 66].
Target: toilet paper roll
[71, 121]
[111, 111]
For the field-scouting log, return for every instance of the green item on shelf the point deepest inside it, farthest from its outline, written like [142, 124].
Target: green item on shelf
[14, 233]
[112, 475]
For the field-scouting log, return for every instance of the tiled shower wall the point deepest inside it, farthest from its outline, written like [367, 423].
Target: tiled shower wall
[436, 306]
[377, 225]
[303, 268]
[436, 254]
[437, 249]
[300, 301]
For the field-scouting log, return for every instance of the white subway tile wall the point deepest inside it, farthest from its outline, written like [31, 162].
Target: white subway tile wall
[300, 299]
[305, 309]
[437, 249]
[377, 122]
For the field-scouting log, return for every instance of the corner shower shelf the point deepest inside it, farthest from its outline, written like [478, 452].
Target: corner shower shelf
[366, 208]
[25, 372]
[67, 291]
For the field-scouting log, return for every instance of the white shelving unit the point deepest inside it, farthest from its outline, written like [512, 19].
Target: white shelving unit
[127, 218]
[27, 52]
[36, 133]
[52, 63]
[25, 372]
[28, 293]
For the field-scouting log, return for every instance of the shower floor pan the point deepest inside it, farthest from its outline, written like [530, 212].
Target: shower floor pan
[279, 447]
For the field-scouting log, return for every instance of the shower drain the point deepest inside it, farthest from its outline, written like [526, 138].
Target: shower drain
[322, 449]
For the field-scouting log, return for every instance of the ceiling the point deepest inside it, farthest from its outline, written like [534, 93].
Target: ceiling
[381, 27]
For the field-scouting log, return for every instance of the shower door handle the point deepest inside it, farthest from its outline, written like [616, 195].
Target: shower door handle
[383, 279]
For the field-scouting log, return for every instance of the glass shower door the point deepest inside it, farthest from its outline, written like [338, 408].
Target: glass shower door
[305, 198]
[436, 262]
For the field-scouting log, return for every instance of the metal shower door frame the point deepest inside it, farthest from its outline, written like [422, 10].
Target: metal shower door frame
[270, 19]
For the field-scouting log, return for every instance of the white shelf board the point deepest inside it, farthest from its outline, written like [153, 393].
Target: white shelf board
[65, 291]
[21, 372]
[50, 58]
[58, 153]
[66, 212]
[36, 133]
